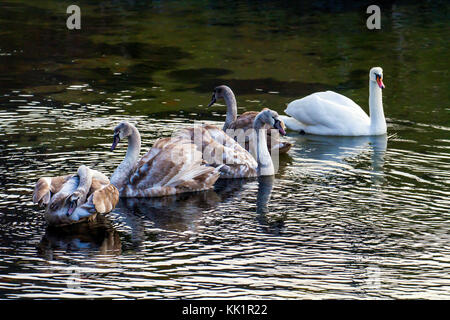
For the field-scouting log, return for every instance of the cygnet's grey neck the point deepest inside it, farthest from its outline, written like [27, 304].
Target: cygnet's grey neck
[230, 101]
[262, 154]
[122, 173]
[85, 181]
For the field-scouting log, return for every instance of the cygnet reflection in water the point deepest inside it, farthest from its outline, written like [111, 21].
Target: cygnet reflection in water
[181, 215]
[98, 236]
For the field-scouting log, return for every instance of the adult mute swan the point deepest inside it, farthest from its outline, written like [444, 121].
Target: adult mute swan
[75, 198]
[330, 113]
[172, 166]
[245, 120]
[220, 150]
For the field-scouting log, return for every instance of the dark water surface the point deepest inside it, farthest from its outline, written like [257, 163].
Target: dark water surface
[343, 218]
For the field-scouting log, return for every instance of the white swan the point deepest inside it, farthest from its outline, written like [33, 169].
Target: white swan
[219, 149]
[330, 113]
[75, 198]
[172, 166]
[245, 120]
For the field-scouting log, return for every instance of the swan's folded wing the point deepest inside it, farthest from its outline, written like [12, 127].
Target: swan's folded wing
[47, 186]
[183, 166]
[338, 98]
[161, 163]
[200, 177]
[244, 121]
[105, 198]
[328, 109]
[173, 165]
[220, 149]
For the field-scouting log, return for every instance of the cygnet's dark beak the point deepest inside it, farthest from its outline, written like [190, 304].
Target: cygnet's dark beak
[72, 207]
[213, 100]
[279, 126]
[116, 140]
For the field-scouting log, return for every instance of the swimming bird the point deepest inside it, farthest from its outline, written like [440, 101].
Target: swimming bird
[219, 149]
[245, 120]
[330, 113]
[171, 166]
[75, 198]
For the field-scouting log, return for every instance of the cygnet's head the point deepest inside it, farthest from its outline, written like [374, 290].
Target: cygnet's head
[60, 210]
[271, 118]
[74, 201]
[219, 92]
[122, 131]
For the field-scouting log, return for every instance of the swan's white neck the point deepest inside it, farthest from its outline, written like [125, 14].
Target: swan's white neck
[265, 164]
[230, 101]
[123, 171]
[377, 120]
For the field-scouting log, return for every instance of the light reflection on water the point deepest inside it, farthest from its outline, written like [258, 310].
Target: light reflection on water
[333, 214]
[363, 217]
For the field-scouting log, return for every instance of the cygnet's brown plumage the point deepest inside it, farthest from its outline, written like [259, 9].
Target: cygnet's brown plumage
[245, 120]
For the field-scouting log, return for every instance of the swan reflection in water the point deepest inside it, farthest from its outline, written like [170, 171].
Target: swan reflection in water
[329, 152]
[177, 216]
[270, 223]
[97, 236]
[183, 215]
[139, 219]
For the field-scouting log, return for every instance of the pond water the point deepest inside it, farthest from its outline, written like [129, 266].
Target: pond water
[356, 218]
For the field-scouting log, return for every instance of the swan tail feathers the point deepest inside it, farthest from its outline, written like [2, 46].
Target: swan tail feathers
[47, 186]
[199, 177]
[41, 194]
[105, 199]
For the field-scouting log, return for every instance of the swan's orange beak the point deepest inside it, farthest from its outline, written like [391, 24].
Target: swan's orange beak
[116, 140]
[380, 82]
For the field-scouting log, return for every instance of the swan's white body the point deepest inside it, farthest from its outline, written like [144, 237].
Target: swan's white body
[330, 113]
